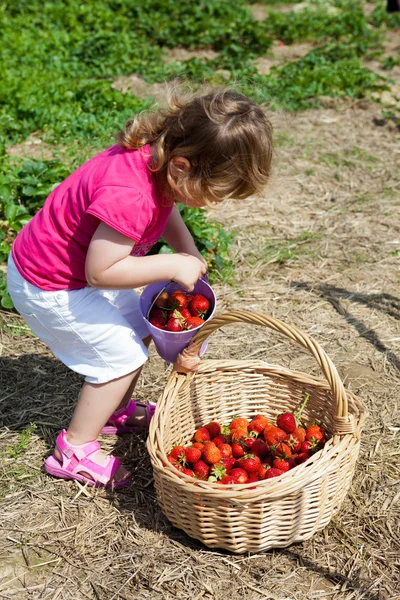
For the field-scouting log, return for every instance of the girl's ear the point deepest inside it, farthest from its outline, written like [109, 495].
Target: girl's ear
[179, 165]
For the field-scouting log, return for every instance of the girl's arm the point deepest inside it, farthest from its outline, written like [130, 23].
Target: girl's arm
[178, 236]
[110, 266]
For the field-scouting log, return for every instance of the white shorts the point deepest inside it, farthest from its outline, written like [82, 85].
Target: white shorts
[97, 333]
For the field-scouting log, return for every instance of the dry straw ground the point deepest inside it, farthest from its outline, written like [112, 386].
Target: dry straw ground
[320, 250]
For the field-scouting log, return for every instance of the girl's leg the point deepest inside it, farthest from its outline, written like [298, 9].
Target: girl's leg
[96, 404]
[139, 414]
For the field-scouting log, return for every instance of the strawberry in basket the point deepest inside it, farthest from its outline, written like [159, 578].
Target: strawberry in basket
[248, 451]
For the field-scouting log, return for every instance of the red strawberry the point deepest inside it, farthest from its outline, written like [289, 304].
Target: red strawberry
[193, 322]
[192, 454]
[281, 464]
[178, 300]
[273, 472]
[198, 445]
[188, 472]
[293, 442]
[291, 462]
[228, 480]
[253, 479]
[157, 322]
[162, 300]
[300, 433]
[219, 439]
[174, 325]
[239, 434]
[250, 463]
[287, 422]
[239, 475]
[273, 435]
[199, 306]
[214, 429]
[258, 424]
[281, 450]
[302, 457]
[226, 450]
[307, 446]
[202, 435]
[217, 471]
[228, 463]
[259, 449]
[262, 471]
[314, 433]
[177, 452]
[249, 442]
[239, 423]
[211, 453]
[173, 461]
[201, 470]
[158, 313]
[237, 450]
[185, 313]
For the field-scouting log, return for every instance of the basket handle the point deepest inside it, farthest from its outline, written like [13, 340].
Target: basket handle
[344, 422]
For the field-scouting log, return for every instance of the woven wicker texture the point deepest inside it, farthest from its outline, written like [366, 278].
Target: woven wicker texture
[276, 512]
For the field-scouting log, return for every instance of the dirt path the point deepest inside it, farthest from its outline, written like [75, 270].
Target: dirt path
[321, 251]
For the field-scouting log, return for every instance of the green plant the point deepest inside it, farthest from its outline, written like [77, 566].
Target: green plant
[21, 445]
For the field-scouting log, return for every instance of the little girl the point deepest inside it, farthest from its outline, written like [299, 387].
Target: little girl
[74, 266]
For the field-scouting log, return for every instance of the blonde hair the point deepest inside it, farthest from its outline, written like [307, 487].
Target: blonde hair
[226, 137]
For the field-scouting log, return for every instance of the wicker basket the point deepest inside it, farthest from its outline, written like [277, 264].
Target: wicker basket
[275, 512]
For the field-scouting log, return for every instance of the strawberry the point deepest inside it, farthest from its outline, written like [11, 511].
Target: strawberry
[302, 457]
[188, 472]
[158, 313]
[300, 433]
[217, 472]
[268, 460]
[293, 442]
[228, 480]
[281, 464]
[238, 423]
[258, 424]
[239, 434]
[249, 442]
[314, 433]
[211, 453]
[177, 452]
[185, 313]
[259, 449]
[173, 461]
[192, 454]
[174, 324]
[253, 479]
[228, 463]
[201, 470]
[162, 300]
[250, 463]
[214, 429]
[237, 450]
[281, 450]
[307, 446]
[226, 450]
[262, 471]
[193, 322]
[202, 435]
[157, 322]
[239, 475]
[178, 300]
[199, 306]
[287, 422]
[273, 435]
[291, 462]
[219, 439]
[198, 445]
[273, 472]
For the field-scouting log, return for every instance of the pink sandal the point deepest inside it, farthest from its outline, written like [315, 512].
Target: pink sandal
[76, 461]
[116, 423]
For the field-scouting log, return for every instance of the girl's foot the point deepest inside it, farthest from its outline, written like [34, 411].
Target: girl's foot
[135, 416]
[86, 463]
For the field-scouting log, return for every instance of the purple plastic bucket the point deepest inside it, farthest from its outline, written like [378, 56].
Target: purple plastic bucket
[170, 343]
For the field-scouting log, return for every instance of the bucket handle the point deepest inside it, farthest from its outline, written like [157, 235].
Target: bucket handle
[344, 422]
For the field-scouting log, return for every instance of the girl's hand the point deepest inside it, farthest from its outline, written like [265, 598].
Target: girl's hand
[190, 270]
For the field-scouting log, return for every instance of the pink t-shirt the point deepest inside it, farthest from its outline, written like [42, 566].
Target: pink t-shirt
[116, 187]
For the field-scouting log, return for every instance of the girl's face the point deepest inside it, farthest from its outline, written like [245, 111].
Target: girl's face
[179, 167]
